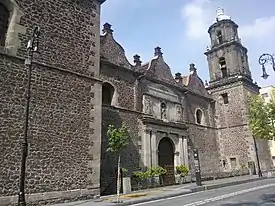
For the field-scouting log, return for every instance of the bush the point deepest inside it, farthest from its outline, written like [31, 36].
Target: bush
[157, 171]
[182, 170]
[141, 175]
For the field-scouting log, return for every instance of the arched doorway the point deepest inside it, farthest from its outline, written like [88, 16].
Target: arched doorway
[166, 160]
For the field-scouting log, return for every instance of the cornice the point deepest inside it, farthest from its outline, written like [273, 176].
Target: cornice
[176, 125]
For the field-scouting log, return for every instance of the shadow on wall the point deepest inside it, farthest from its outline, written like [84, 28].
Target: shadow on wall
[129, 158]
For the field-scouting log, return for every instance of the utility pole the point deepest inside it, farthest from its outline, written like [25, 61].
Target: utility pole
[197, 166]
[32, 47]
[257, 157]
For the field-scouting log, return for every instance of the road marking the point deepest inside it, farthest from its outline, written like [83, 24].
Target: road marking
[213, 199]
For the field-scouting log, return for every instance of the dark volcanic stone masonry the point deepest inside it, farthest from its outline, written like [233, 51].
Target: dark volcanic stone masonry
[69, 117]
[64, 131]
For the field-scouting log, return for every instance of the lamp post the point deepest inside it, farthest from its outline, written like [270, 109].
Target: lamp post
[265, 58]
[197, 166]
[31, 49]
[257, 157]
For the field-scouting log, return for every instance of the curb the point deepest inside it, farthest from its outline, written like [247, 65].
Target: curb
[193, 190]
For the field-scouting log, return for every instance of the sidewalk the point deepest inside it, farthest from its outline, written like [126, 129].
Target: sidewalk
[164, 192]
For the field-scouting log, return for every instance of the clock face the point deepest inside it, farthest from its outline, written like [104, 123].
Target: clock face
[220, 53]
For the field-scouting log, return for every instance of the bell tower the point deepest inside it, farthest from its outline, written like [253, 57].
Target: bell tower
[226, 56]
[231, 85]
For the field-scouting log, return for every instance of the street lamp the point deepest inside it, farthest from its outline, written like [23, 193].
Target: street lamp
[32, 47]
[265, 58]
[257, 157]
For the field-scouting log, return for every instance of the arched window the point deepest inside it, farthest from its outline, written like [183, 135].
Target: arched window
[219, 36]
[163, 110]
[223, 67]
[107, 93]
[199, 116]
[4, 22]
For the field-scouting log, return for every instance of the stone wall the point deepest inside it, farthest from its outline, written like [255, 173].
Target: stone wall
[60, 129]
[69, 33]
[121, 110]
[123, 82]
[130, 158]
[65, 107]
[234, 135]
[204, 138]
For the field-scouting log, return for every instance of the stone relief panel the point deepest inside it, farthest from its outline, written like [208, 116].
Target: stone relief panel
[164, 103]
[162, 92]
[179, 113]
[147, 105]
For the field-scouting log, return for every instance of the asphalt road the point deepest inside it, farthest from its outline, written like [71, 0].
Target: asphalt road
[251, 194]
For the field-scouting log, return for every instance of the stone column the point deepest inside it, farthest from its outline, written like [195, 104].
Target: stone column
[185, 151]
[146, 148]
[181, 150]
[154, 148]
[177, 154]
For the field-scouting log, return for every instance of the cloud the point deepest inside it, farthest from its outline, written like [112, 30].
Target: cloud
[260, 28]
[198, 15]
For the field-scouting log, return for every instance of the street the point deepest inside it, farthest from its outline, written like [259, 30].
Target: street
[251, 194]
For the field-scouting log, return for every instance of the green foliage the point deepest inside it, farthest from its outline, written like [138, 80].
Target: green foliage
[151, 172]
[182, 170]
[124, 170]
[157, 171]
[118, 138]
[141, 175]
[271, 113]
[259, 118]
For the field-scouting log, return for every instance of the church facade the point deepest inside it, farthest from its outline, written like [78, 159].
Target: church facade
[82, 82]
[170, 115]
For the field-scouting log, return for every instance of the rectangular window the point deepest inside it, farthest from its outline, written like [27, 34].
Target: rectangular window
[225, 98]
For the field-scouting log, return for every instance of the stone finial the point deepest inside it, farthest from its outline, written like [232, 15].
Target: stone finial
[158, 51]
[107, 28]
[206, 84]
[137, 60]
[220, 15]
[192, 68]
[178, 77]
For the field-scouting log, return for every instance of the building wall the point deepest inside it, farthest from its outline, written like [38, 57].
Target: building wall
[234, 135]
[233, 132]
[65, 107]
[121, 110]
[267, 95]
[203, 136]
[130, 157]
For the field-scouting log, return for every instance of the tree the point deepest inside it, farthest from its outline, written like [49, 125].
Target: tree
[271, 113]
[118, 140]
[260, 115]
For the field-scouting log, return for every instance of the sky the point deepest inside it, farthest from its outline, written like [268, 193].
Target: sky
[180, 29]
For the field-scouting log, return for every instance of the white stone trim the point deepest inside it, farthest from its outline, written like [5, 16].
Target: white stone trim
[12, 42]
